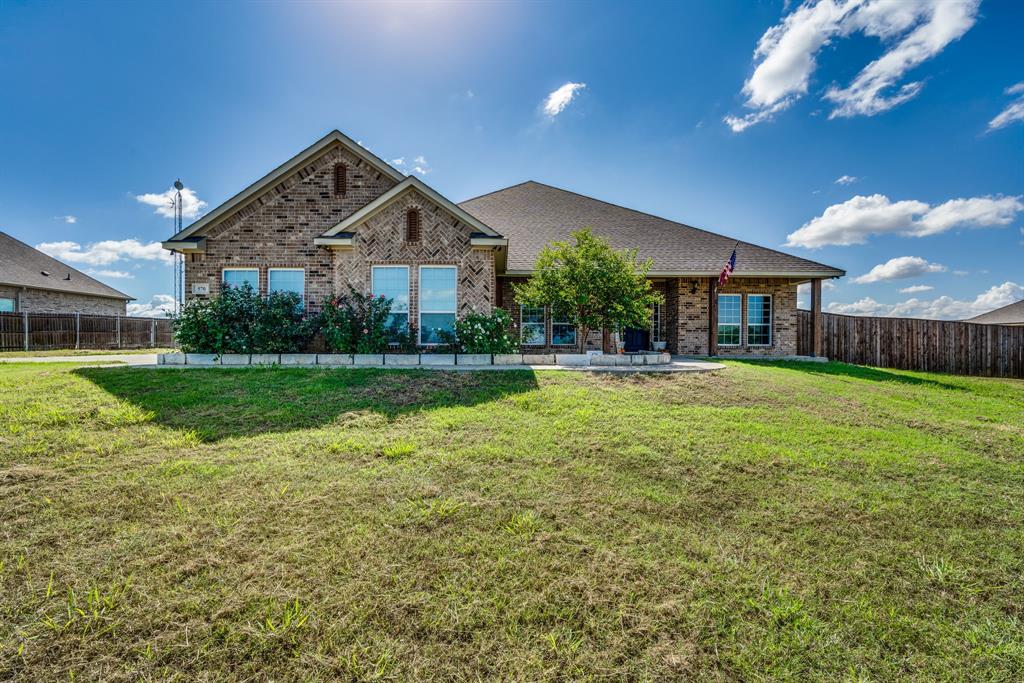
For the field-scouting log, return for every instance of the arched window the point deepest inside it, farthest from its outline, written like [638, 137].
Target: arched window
[412, 225]
[340, 179]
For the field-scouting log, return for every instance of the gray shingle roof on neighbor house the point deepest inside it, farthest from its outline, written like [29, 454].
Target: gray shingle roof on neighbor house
[23, 266]
[532, 214]
[1013, 314]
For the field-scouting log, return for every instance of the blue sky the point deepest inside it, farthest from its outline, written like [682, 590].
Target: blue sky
[675, 114]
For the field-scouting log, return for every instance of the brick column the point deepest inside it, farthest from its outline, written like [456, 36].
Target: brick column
[670, 310]
[712, 317]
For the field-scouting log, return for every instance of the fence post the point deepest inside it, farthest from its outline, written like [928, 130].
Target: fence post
[24, 327]
[152, 333]
[78, 330]
[117, 319]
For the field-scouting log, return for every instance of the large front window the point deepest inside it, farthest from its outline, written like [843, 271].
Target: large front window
[531, 320]
[729, 319]
[759, 320]
[239, 277]
[393, 283]
[287, 280]
[437, 302]
[6, 305]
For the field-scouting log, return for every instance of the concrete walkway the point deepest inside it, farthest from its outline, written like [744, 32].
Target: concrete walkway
[148, 360]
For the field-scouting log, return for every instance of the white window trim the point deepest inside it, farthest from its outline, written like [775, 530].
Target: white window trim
[575, 335]
[408, 284]
[419, 301]
[245, 269]
[656, 323]
[740, 323]
[543, 326]
[771, 322]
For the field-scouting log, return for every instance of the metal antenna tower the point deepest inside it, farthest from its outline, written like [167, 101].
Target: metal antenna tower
[179, 258]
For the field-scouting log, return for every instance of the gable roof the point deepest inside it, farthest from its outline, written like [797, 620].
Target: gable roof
[532, 214]
[253, 190]
[23, 266]
[408, 184]
[1012, 314]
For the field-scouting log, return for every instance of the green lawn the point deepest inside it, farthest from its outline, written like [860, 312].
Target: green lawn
[771, 521]
[76, 352]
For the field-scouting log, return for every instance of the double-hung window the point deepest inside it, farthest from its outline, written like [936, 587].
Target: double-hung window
[287, 280]
[393, 283]
[563, 333]
[759, 320]
[531, 319]
[239, 277]
[730, 319]
[437, 302]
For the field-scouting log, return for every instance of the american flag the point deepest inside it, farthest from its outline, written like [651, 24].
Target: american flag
[723, 277]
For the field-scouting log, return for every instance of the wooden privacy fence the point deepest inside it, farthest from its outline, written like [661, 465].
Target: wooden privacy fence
[909, 344]
[39, 331]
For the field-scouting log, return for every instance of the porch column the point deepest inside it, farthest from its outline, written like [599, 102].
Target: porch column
[712, 316]
[816, 326]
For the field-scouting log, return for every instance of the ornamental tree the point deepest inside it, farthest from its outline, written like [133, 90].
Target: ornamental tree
[591, 285]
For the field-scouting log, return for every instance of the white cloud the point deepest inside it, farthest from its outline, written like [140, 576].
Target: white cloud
[422, 167]
[1013, 112]
[106, 252]
[899, 268]
[67, 219]
[558, 100]
[854, 220]
[786, 55]
[191, 205]
[942, 308]
[846, 180]
[160, 306]
[120, 274]
[916, 289]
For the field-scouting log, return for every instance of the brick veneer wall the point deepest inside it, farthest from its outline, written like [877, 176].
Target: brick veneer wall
[444, 241]
[46, 301]
[690, 328]
[276, 229]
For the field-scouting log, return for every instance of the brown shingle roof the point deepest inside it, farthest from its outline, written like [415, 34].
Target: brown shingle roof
[1013, 314]
[532, 214]
[23, 266]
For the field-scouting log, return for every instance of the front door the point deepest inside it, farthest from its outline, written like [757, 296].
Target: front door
[637, 340]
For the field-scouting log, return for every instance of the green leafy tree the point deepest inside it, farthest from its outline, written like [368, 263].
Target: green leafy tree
[591, 285]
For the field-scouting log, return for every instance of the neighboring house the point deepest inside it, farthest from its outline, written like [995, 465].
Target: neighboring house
[1012, 314]
[37, 283]
[336, 215]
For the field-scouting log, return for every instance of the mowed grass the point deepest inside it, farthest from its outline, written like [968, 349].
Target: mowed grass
[46, 353]
[771, 521]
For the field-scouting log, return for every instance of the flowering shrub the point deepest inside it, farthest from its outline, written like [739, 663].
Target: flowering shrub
[358, 323]
[482, 333]
[239, 320]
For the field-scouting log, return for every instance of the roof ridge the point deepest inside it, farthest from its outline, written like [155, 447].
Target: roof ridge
[660, 218]
[488, 194]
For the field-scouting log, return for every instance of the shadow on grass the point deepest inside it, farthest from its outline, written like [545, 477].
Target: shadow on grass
[854, 371]
[221, 403]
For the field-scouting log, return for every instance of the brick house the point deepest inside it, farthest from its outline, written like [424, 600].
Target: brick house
[34, 282]
[336, 215]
